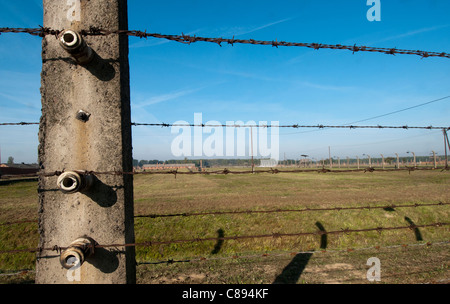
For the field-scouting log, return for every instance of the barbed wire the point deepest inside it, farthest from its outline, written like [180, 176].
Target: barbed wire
[16, 272]
[406, 275]
[435, 281]
[261, 255]
[256, 256]
[227, 171]
[295, 126]
[291, 253]
[189, 39]
[18, 123]
[276, 235]
[234, 238]
[307, 209]
[441, 281]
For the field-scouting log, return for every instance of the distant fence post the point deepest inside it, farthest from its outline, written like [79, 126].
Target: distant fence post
[434, 160]
[446, 144]
[85, 126]
[329, 157]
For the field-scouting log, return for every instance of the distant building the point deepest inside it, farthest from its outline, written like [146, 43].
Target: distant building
[268, 163]
[148, 167]
[7, 170]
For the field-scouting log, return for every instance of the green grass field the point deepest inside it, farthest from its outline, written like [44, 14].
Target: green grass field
[325, 258]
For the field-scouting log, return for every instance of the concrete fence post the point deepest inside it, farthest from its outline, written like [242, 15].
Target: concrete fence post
[85, 126]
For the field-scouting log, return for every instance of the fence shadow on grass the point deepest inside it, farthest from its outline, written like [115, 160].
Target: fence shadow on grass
[292, 272]
[218, 246]
[417, 232]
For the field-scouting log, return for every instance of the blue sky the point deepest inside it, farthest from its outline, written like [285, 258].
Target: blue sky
[171, 81]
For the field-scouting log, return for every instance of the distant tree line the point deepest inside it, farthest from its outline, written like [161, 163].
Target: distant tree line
[204, 162]
[248, 162]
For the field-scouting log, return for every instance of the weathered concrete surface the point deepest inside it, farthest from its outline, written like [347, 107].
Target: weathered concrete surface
[103, 143]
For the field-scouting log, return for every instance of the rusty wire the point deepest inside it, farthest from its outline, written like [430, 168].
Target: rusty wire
[262, 255]
[188, 39]
[295, 126]
[392, 206]
[227, 238]
[42, 32]
[18, 123]
[291, 253]
[275, 235]
[307, 209]
[227, 171]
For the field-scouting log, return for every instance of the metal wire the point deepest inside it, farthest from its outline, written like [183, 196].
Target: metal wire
[255, 256]
[18, 123]
[392, 206]
[226, 171]
[295, 126]
[235, 238]
[188, 39]
[276, 235]
[186, 214]
[291, 253]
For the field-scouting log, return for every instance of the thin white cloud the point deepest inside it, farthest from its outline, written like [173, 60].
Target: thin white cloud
[319, 86]
[411, 33]
[325, 87]
[34, 103]
[165, 97]
[244, 32]
[172, 95]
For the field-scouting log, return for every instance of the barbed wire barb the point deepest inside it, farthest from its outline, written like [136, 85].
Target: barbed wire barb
[295, 126]
[188, 39]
